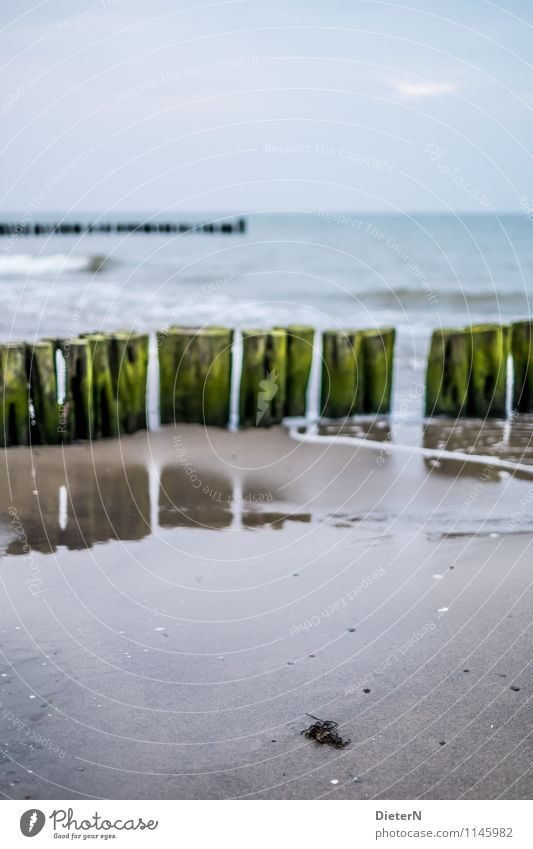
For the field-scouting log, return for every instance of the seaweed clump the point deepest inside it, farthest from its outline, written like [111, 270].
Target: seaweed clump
[323, 731]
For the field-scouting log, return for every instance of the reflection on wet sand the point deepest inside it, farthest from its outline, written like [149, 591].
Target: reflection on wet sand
[521, 439]
[206, 501]
[511, 441]
[256, 493]
[54, 500]
[476, 437]
[256, 519]
[378, 429]
[194, 500]
[479, 437]
[84, 495]
[75, 506]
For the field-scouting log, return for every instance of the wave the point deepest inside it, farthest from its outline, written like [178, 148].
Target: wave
[455, 296]
[26, 264]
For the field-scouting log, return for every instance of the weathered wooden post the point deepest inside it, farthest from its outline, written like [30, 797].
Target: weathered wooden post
[128, 360]
[78, 398]
[263, 377]
[102, 420]
[42, 378]
[342, 373]
[448, 373]
[195, 375]
[299, 361]
[488, 379]
[522, 350]
[377, 357]
[14, 395]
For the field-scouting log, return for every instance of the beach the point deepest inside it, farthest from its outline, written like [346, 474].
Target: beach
[176, 602]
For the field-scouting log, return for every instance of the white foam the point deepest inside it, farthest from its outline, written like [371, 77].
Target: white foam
[25, 264]
[415, 450]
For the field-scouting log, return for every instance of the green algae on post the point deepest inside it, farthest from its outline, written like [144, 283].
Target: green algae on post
[522, 350]
[102, 422]
[78, 394]
[488, 379]
[14, 402]
[448, 373]
[342, 373]
[42, 377]
[195, 375]
[128, 360]
[263, 377]
[299, 360]
[377, 357]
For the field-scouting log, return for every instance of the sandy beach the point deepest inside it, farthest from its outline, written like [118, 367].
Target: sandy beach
[176, 603]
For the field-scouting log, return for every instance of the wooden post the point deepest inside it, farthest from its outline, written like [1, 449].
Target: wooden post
[263, 377]
[522, 349]
[342, 373]
[195, 375]
[448, 373]
[14, 395]
[377, 356]
[299, 361]
[102, 420]
[78, 401]
[488, 380]
[128, 359]
[42, 378]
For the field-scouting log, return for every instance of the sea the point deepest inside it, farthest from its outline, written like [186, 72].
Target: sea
[322, 268]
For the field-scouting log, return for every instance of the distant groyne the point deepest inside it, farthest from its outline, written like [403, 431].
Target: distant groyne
[150, 227]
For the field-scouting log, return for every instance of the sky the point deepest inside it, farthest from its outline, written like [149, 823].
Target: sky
[362, 105]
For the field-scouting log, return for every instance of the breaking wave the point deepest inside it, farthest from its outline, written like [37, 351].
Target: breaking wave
[410, 296]
[26, 264]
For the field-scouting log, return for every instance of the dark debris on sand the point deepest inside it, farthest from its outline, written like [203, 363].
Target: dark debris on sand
[323, 731]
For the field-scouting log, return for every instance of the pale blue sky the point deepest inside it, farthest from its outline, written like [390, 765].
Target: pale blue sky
[367, 106]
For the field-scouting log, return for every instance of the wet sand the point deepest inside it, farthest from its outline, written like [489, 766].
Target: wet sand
[174, 603]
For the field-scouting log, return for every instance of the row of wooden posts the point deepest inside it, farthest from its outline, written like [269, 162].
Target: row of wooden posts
[195, 374]
[93, 386]
[103, 392]
[468, 370]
